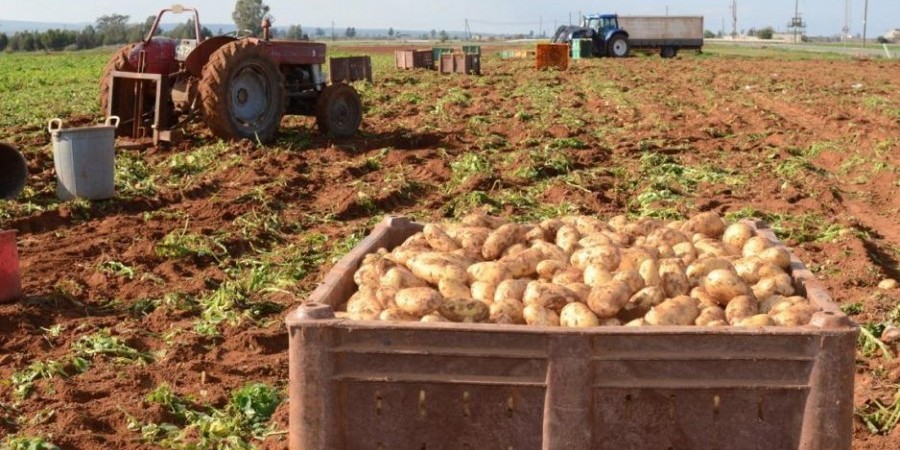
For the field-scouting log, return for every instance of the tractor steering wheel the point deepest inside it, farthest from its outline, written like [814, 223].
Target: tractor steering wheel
[240, 34]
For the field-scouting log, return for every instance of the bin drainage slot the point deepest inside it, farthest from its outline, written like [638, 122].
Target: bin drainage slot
[672, 406]
[422, 406]
[716, 402]
[759, 410]
[466, 410]
[378, 403]
[510, 405]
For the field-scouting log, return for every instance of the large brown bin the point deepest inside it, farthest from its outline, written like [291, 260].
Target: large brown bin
[555, 56]
[414, 59]
[464, 63]
[380, 385]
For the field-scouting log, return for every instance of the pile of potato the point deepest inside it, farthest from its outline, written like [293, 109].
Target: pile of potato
[582, 272]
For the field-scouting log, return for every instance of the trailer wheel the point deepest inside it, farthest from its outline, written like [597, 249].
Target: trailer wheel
[668, 52]
[339, 111]
[118, 62]
[618, 47]
[242, 93]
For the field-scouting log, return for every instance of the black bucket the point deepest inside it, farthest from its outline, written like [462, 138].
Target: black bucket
[13, 172]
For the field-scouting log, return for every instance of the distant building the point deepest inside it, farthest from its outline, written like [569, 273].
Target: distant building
[893, 35]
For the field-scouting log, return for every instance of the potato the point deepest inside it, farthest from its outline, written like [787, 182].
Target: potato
[397, 315]
[433, 317]
[578, 315]
[707, 223]
[631, 258]
[701, 268]
[401, 278]
[796, 316]
[548, 268]
[418, 301]
[740, 308]
[606, 255]
[551, 226]
[511, 290]
[567, 238]
[417, 240]
[672, 278]
[590, 225]
[477, 219]
[471, 239]
[632, 279]
[523, 264]
[551, 251]
[642, 227]
[492, 272]
[771, 302]
[703, 298]
[778, 256]
[608, 299]
[568, 276]
[432, 267]
[645, 299]
[665, 251]
[755, 245]
[709, 315]
[748, 269]
[539, 233]
[618, 222]
[363, 306]
[464, 310]
[594, 240]
[759, 320]
[548, 295]
[540, 316]
[581, 290]
[686, 252]
[737, 234]
[483, 291]
[636, 323]
[724, 285]
[717, 323]
[649, 272]
[507, 311]
[781, 284]
[513, 250]
[385, 296]
[767, 270]
[596, 274]
[502, 238]
[454, 289]
[438, 239]
[666, 237]
[710, 247]
[374, 266]
[681, 310]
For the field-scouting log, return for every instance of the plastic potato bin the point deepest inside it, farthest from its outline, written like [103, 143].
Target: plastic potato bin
[384, 385]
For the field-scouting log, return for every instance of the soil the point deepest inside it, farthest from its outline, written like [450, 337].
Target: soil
[737, 112]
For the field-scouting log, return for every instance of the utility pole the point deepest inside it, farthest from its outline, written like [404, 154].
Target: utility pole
[734, 19]
[540, 26]
[667, 10]
[333, 35]
[797, 24]
[845, 32]
[865, 21]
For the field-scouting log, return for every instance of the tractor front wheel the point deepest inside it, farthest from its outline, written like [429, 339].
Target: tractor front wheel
[618, 47]
[118, 62]
[242, 93]
[339, 111]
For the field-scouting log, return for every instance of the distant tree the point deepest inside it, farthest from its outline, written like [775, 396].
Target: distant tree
[433, 34]
[391, 32]
[186, 31]
[531, 34]
[113, 28]
[350, 32]
[751, 32]
[294, 32]
[881, 40]
[4, 41]
[87, 38]
[444, 36]
[765, 33]
[248, 15]
[708, 34]
[320, 32]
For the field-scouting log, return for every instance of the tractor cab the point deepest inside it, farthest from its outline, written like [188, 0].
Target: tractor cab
[603, 24]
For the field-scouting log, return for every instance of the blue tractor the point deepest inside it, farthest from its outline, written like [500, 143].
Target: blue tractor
[603, 29]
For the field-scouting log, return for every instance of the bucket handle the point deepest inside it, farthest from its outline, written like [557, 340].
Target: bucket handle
[57, 122]
[113, 121]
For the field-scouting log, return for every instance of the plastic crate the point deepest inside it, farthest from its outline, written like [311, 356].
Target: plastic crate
[436, 52]
[582, 48]
[413, 59]
[350, 68]
[554, 56]
[446, 385]
[471, 49]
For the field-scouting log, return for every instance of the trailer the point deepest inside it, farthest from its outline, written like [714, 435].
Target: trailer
[616, 36]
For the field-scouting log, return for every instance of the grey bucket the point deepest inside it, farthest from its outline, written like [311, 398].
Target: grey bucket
[13, 172]
[85, 160]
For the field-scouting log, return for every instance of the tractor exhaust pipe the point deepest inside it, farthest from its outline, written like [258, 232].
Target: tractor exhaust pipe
[13, 172]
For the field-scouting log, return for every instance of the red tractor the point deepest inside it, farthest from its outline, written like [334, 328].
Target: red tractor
[241, 87]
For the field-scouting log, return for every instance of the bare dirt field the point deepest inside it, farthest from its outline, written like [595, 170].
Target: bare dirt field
[164, 305]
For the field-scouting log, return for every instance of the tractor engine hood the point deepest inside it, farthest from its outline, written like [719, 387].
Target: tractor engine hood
[566, 33]
[159, 54]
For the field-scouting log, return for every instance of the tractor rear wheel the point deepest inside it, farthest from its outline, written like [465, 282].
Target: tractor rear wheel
[242, 93]
[118, 62]
[339, 111]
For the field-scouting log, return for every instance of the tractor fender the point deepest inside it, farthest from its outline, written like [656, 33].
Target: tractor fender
[613, 33]
[200, 56]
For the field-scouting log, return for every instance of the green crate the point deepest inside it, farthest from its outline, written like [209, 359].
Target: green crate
[438, 51]
[582, 48]
[471, 49]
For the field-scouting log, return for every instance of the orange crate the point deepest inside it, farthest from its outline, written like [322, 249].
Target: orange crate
[554, 56]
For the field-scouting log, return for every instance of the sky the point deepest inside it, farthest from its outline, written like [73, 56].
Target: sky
[824, 17]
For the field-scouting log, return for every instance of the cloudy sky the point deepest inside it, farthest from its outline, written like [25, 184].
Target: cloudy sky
[825, 17]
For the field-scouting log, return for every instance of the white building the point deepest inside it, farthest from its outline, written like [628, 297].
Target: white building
[893, 35]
